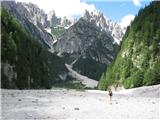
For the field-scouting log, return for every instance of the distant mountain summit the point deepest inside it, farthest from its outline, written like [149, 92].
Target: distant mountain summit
[32, 18]
[35, 20]
[86, 47]
[38, 16]
[56, 21]
[86, 44]
[112, 28]
[33, 14]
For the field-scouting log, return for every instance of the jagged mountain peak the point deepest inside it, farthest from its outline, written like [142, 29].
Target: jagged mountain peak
[56, 21]
[86, 48]
[35, 14]
[104, 23]
[51, 14]
[95, 13]
[32, 18]
[95, 16]
[39, 18]
[31, 5]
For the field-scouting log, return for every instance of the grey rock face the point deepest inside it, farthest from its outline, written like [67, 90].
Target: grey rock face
[84, 44]
[33, 20]
[53, 19]
[8, 75]
[81, 36]
[57, 21]
[103, 23]
[29, 20]
[87, 45]
[35, 14]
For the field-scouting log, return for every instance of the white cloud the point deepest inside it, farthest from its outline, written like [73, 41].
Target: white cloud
[136, 2]
[126, 20]
[63, 7]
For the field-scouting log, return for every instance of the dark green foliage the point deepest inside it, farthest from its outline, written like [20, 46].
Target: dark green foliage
[9, 48]
[56, 68]
[25, 54]
[136, 80]
[70, 85]
[152, 75]
[89, 68]
[138, 60]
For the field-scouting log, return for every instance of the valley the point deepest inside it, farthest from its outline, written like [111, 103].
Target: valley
[55, 66]
[87, 44]
[138, 103]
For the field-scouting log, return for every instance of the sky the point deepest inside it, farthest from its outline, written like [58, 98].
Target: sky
[121, 11]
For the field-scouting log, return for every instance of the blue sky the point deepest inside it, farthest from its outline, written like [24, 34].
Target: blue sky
[117, 10]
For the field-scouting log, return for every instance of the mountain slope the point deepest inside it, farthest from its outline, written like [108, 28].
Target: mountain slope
[86, 48]
[27, 64]
[24, 60]
[33, 20]
[112, 28]
[82, 79]
[58, 21]
[138, 61]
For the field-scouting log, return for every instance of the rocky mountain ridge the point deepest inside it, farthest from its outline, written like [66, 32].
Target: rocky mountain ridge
[86, 48]
[86, 45]
[112, 28]
[29, 22]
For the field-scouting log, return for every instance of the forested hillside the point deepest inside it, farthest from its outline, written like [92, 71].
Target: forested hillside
[138, 60]
[24, 60]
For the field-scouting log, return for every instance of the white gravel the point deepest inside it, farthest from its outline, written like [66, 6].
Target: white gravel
[83, 79]
[139, 103]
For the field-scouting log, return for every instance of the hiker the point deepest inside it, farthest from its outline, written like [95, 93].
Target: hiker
[110, 94]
